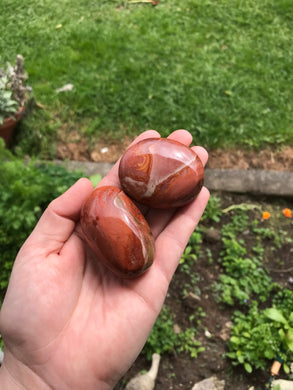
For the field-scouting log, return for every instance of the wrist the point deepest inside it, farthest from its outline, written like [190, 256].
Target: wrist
[14, 375]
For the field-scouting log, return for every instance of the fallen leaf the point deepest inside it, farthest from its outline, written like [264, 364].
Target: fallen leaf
[65, 88]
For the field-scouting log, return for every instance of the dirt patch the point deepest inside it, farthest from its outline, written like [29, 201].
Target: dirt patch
[75, 146]
[267, 159]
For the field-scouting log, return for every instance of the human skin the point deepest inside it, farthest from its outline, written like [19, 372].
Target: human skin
[69, 323]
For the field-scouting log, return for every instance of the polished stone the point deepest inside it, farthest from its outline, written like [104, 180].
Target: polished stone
[161, 173]
[117, 232]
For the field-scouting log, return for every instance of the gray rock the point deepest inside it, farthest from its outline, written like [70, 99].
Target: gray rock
[284, 385]
[250, 181]
[146, 381]
[212, 383]
[89, 168]
[213, 235]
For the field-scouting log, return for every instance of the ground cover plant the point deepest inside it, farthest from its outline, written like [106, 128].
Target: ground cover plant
[220, 69]
[26, 189]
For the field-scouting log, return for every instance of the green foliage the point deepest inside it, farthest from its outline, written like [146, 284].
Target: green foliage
[163, 339]
[191, 251]
[282, 315]
[267, 233]
[243, 276]
[25, 191]
[188, 259]
[260, 336]
[221, 70]
[8, 106]
[213, 210]
[187, 343]
[12, 89]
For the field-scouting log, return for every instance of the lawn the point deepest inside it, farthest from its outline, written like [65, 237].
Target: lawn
[222, 70]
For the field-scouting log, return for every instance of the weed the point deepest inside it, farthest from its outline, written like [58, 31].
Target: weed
[260, 336]
[213, 210]
[209, 256]
[163, 339]
[244, 275]
[191, 251]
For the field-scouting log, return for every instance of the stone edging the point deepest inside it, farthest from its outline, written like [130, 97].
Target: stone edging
[276, 183]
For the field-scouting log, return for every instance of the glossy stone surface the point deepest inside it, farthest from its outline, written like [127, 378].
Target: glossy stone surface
[117, 232]
[161, 173]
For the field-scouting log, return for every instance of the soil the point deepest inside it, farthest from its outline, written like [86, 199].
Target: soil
[180, 371]
[75, 146]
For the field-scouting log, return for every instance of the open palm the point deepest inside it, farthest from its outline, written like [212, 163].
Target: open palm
[69, 323]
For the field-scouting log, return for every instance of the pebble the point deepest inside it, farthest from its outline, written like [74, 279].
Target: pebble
[284, 385]
[213, 235]
[212, 383]
[226, 330]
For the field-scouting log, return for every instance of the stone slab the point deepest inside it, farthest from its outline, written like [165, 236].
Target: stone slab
[250, 181]
[89, 168]
[276, 183]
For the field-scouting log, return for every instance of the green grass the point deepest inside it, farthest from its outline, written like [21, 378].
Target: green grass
[222, 70]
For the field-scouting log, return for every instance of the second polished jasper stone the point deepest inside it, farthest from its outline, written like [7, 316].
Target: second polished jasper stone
[161, 173]
[117, 232]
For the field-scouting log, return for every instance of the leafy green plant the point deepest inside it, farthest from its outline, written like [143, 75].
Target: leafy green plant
[191, 251]
[277, 238]
[243, 276]
[25, 191]
[284, 325]
[238, 224]
[260, 336]
[188, 259]
[8, 106]
[163, 339]
[188, 343]
[13, 92]
[213, 210]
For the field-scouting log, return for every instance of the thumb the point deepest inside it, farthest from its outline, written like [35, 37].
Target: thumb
[59, 219]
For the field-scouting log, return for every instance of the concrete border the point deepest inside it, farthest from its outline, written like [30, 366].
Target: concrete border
[276, 183]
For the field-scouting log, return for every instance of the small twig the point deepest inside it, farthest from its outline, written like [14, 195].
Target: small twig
[280, 270]
[241, 206]
[144, 1]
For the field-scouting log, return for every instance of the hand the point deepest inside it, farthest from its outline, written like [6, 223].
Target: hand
[69, 323]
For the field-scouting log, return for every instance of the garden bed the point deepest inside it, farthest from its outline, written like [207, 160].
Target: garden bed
[234, 258]
[198, 300]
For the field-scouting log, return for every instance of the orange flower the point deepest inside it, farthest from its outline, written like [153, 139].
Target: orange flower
[287, 213]
[266, 215]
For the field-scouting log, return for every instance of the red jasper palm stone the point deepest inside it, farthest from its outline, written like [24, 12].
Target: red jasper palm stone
[161, 173]
[117, 232]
